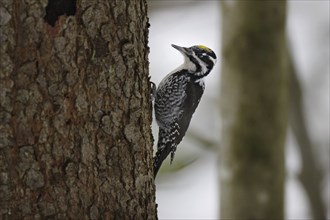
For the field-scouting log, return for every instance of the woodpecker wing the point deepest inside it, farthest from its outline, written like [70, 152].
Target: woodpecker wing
[169, 98]
[193, 96]
[183, 102]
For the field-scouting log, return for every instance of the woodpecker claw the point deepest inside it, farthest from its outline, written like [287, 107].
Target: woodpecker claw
[153, 91]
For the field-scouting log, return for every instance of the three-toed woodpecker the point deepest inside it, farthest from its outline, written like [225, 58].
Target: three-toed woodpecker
[177, 98]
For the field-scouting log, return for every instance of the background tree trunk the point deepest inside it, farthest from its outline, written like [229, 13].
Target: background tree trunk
[75, 110]
[254, 109]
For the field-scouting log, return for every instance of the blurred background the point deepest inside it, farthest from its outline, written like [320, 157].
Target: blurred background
[189, 188]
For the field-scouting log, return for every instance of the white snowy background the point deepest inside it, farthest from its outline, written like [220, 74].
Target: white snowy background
[192, 192]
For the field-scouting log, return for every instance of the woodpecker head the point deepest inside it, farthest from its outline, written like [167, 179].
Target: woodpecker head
[199, 60]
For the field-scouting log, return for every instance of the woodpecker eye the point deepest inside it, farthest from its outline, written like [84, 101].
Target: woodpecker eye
[203, 52]
[203, 55]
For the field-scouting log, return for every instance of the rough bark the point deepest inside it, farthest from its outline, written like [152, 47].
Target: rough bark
[75, 110]
[254, 109]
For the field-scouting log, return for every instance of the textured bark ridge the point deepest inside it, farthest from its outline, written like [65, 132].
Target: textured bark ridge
[75, 136]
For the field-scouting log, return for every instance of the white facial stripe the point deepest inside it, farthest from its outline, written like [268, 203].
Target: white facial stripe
[201, 63]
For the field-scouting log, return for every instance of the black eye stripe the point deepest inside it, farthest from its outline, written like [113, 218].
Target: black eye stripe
[208, 52]
[209, 55]
[202, 54]
[205, 57]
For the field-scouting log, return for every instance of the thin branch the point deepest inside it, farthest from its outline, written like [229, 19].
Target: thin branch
[311, 175]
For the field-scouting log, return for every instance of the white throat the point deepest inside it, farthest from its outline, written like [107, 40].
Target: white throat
[188, 65]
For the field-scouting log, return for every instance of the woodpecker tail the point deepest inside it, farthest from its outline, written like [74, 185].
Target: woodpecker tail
[161, 155]
[167, 143]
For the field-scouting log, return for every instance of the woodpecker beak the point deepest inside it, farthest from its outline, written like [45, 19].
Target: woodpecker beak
[183, 50]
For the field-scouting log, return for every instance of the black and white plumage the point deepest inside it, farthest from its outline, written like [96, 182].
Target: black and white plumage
[177, 98]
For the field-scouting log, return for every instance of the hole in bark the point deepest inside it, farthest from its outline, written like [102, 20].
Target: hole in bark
[56, 8]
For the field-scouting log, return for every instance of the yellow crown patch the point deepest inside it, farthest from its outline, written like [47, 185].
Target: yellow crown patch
[202, 47]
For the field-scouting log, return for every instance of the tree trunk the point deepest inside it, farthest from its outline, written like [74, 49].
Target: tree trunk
[254, 109]
[75, 110]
